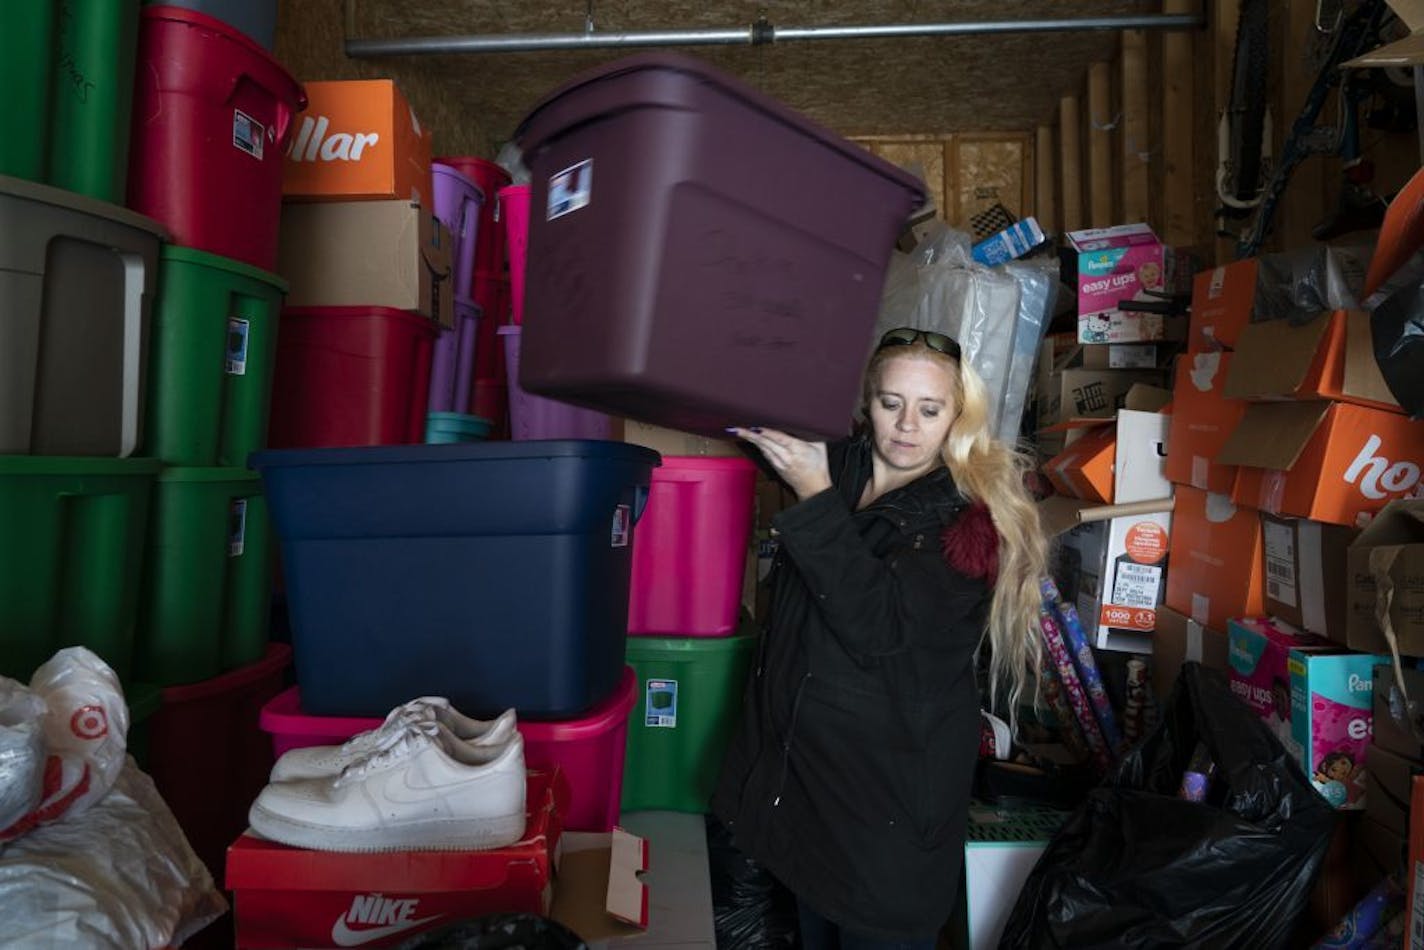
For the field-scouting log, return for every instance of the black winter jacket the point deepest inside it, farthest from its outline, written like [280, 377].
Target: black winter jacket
[849, 778]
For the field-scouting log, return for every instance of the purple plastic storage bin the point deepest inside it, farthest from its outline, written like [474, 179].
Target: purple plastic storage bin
[699, 254]
[458, 201]
[533, 417]
[453, 362]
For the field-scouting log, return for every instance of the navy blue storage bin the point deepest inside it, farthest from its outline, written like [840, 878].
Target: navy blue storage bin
[493, 573]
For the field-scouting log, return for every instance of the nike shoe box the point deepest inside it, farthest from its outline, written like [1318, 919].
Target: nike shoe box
[290, 897]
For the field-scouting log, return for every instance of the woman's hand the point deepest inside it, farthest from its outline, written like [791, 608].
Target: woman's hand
[802, 465]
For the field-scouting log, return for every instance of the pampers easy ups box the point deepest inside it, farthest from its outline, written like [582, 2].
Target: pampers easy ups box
[1117, 264]
[1259, 652]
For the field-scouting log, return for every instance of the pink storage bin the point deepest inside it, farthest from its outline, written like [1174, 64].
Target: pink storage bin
[514, 209]
[690, 549]
[589, 749]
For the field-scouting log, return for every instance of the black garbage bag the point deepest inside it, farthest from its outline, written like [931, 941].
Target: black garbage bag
[750, 908]
[1397, 326]
[499, 932]
[1137, 867]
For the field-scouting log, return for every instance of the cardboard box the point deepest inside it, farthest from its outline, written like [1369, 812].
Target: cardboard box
[1222, 299]
[1378, 851]
[1307, 574]
[1331, 357]
[358, 139]
[1002, 844]
[598, 894]
[1203, 418]
[1260, 671]
[1141, 356]
[1406, 52]
[1116, 264]
[1112, 565]
[1399, 722]
[1077, 393]
[1215, 562]
[1117, 462]
[1390, 784]
[1178, 639]
[1009, 244]
[1388, 554]
[676, 443]
[1326, 461]
[1332, 708]
[290, 897]
[367, 253]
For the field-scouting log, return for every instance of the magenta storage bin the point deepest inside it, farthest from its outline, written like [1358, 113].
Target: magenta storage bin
[212, 113]
[458, 201]
[534, 417]
[589, 749]
[699, 253]
[453, 361]
[514, 209]
[690, 551]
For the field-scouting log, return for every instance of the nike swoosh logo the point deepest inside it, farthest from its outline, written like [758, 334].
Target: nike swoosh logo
[396, 787]
[344, 936]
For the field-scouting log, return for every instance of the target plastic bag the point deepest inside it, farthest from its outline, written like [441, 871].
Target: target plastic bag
[22, 751]
[85, 724]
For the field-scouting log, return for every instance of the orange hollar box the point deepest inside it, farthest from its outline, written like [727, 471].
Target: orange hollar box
[358, 139]
[1203, 418]
[1214, 568]
[1330, 357]
[1222, 300]
[1326, 461]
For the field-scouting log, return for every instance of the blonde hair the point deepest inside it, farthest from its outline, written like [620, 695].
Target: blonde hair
[989, 471]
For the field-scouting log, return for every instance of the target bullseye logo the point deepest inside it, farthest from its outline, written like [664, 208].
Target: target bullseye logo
[89, 722]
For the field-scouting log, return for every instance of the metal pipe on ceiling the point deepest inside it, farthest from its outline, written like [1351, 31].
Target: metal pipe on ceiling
[757, 34]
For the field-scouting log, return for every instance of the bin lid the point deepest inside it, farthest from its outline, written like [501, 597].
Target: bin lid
[690, 648]
[83, 204]
[207, 474]
[72, 465]
[703, 72]
[457, 452]
[191, 255]
[458, 422]
[465, 181]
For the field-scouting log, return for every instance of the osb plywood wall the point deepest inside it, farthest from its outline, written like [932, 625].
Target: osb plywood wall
[967, 173]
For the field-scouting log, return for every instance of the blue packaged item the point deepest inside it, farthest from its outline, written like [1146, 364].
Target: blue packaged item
[495, 574]
[1009, 244]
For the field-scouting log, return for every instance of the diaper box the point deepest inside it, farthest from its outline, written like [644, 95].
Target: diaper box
[1332, 712]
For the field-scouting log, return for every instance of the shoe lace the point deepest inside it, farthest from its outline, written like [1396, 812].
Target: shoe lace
[396, 720]
[396, 744]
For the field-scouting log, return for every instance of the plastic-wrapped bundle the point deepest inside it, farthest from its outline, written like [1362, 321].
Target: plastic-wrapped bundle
[22, 751]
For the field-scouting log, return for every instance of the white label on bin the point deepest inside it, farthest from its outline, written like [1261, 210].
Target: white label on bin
[622, 523]
[237, 528]
[247, 133]
[661, 705]
[570, 190]
[236, 362]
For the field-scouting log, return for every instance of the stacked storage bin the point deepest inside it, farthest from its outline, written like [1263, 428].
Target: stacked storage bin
[207, 162]
[686, 644]
[494, 574]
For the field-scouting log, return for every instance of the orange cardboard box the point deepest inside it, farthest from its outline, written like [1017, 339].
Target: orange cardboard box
[358, 139]
[1203, 418]
[1222, 300]
[1331, 357]
[1116, 461]
[1214, 568]
[1085, 469]
[1326, 461]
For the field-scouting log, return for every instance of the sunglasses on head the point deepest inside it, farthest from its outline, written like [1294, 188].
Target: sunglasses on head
[906, 336]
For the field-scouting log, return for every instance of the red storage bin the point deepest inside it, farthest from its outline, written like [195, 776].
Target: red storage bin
[489, 247]
[690, 549]
[492, 296]
[208, 756]
[588, 750]
[351, 376]
[489, 399]
[211, 117]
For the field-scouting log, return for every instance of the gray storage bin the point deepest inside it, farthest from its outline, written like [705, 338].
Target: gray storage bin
[77, 278]
[256, 18]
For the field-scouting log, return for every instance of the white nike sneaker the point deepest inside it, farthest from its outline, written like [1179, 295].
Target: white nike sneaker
[424, 790]
[327, 761]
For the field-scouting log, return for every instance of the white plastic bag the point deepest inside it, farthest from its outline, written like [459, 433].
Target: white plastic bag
[22, 751]
[121, 875]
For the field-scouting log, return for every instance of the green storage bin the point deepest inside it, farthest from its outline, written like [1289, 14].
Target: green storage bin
[71, 550]
[92, 96]
[208, 580]
[144, 700]
[689, 703]
[210, 365]
[26, 65]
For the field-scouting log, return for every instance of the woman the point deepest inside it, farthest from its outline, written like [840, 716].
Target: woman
[911, 544]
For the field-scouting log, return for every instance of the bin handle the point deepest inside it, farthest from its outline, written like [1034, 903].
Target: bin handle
[135, 272]
[640, 500]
